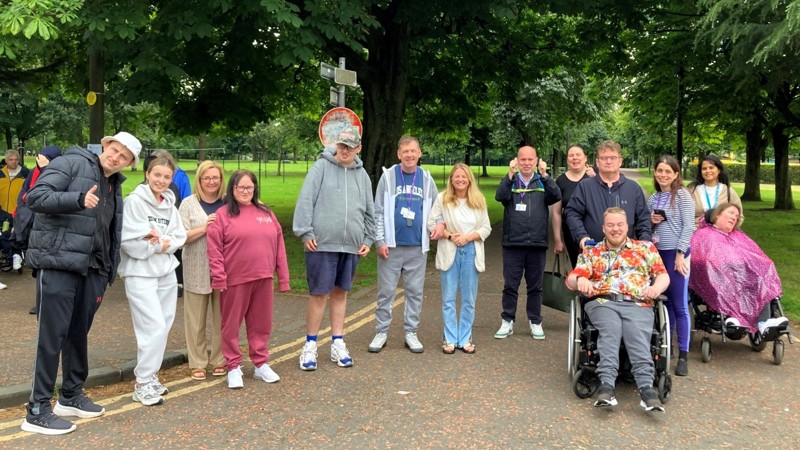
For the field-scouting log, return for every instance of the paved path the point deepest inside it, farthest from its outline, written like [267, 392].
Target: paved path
[512, 393]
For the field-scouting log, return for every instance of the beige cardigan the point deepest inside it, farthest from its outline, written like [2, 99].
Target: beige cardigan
[445, 249]
[196, 274]
[700, 202]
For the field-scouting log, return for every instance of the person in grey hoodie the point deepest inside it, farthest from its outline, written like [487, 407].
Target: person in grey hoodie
[151, 233]
[334, 218]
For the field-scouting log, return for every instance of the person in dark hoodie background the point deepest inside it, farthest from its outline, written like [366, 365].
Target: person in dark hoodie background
[151, 232]
[23, 217]
[334, 218]
[610, 188]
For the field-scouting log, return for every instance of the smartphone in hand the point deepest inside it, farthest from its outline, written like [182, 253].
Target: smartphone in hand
[661, 213]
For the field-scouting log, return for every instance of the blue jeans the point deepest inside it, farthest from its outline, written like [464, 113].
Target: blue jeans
[463, 276]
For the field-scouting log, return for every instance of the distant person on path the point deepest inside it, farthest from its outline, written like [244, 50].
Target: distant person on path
[403, 202]
[672, 214]
[12, 176]
[335, 220]
[245, 251]
[459, 222]
[577, 170]
[616, 276]
[151, 233]
[198, 212]
[23, 218]
[526, 193]
[608, 189]
[711, 187]
[74, 244]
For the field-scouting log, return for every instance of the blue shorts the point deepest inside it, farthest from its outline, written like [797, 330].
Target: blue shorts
[324, 270]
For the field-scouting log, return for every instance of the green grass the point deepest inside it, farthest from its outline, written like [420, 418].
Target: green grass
[775, 231]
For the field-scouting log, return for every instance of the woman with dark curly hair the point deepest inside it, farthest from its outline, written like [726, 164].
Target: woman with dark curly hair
[712, 187]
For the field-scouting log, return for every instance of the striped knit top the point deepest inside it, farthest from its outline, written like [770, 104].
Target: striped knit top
[676, 232]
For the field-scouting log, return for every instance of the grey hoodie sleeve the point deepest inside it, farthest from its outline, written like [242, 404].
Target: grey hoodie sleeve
[380, 232]
[369, 215]
[304, 208]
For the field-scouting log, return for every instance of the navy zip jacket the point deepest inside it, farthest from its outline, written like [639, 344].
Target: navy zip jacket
[592, 197]
[528, 227]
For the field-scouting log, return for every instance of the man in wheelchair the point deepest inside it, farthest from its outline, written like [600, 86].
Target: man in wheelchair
[616, 276]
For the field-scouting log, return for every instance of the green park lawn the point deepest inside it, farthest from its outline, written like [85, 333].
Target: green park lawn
[775, 231]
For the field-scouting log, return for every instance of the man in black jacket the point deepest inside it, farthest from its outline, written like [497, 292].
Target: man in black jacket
[525, 195]
[74, 244]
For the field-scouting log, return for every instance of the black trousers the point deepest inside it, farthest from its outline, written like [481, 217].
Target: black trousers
[68, 302]
[516, 261]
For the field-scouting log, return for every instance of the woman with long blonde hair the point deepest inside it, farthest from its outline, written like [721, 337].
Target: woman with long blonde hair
[459, 222]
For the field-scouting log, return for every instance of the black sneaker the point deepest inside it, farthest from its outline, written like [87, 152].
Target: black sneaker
[682, 369]
[605, 396]
[79, 405]
[47, 423]
[650, 401]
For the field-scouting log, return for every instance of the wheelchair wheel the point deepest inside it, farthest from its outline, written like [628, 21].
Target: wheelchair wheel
[664, 387]
[756, 343]
[705, 349]
[777, 352]
[585, 383]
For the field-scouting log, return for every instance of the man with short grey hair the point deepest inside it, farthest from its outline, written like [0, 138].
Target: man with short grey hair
[12, 177]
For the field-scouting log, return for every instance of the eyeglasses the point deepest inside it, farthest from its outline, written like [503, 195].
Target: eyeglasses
[608, 158]
[210, 179]
[245, 188]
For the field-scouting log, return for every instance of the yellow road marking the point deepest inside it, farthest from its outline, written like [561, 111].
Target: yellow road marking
[354, 320]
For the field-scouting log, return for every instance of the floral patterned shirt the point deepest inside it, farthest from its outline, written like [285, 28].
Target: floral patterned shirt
[627, 271]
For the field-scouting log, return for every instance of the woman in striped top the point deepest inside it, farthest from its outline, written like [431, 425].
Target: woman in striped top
[672, 214]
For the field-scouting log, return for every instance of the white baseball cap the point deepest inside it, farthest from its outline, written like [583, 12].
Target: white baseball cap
[128, 141]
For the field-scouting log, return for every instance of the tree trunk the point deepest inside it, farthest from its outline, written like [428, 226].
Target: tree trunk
[9, 138]
[96, 111]
[783, 185]
[201, 145]
[681, 107]
[384, 80]
[756, 142]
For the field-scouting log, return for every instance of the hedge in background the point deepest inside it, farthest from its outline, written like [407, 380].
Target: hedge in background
[736, 172]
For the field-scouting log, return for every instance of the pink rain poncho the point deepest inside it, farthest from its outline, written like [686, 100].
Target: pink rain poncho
[731, 274]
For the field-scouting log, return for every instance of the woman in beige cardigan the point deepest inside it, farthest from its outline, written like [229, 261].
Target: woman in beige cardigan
[198, 211]
[459, 222]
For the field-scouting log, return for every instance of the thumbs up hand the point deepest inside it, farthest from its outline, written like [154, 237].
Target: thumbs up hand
[91, 200]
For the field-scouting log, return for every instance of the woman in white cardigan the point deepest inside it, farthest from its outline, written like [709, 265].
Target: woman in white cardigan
[459, 222]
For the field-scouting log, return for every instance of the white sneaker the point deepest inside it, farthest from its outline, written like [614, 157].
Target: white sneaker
[3, 286]
[16, 262]
[775, 322]
[506, 330]
[537, 331]
[146, 394]
[413, 343]
[308, 357]
[378, 342]
[160, 388]
[235, 378]
[340, 355]
[265, 373]
[732, 322]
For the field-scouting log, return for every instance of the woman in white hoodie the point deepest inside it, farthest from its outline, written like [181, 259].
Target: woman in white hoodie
[151, 232]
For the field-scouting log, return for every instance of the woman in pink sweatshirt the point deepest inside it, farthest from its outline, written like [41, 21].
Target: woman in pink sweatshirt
[245, 251]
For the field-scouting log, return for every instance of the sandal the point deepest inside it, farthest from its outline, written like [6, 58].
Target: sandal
[199, 374]
[219, 371]
[448, 348]
[468, 348]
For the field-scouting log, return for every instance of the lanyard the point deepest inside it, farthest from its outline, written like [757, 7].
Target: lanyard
[522, 187]
[409, 194]
[708, 199]
[662, 197]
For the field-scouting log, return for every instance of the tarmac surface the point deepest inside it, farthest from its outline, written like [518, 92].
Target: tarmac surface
[512, 393]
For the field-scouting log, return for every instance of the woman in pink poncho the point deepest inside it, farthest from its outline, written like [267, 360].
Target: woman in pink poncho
[732, 275]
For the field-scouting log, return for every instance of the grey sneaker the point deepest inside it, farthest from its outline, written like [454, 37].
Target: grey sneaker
[16, 262]
[79, 406]
[605, 396]
[47, 423]
[506, 329]
[160, 388]
[650, 401]
[412, 342]
[378, 342]
[537, 331]
[146, 394]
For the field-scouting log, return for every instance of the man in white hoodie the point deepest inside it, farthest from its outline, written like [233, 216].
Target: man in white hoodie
[403, 200]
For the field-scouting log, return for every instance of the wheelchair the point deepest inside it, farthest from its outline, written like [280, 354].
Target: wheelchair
[583, 357]
[713, 322]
